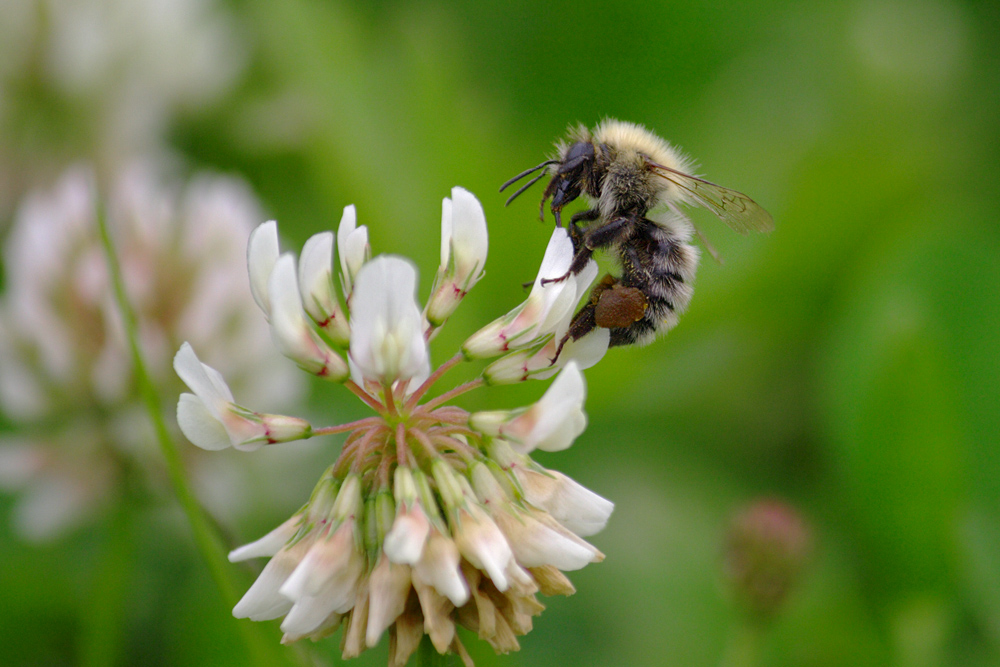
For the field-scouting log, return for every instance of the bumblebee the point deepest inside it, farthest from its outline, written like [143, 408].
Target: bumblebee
[635, 183]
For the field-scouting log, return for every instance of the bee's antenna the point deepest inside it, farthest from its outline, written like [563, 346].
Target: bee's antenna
[523, 188]
[525, 173]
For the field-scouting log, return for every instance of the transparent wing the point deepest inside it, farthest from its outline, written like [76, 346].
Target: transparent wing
[734, 208]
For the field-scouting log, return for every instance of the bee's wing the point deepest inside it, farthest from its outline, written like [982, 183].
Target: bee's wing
[734, 208]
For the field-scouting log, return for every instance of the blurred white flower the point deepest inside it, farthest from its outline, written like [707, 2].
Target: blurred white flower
[65, 372]
[120, 72]
[418, 526]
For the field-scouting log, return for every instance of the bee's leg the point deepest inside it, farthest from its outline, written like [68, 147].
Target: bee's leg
[583, 323]
[575, 233]
[595, 237]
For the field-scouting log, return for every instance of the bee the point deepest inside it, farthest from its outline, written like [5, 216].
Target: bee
[634, 182]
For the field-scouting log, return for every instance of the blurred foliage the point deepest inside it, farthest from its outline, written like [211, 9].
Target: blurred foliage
[847, 363]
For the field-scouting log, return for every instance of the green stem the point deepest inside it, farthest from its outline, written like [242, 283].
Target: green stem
[102, 622]
[427, 655]
[208, 543]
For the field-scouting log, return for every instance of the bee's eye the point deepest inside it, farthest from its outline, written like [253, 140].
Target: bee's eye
[580, 151]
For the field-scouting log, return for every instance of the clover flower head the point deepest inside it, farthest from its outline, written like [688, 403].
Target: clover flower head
[430, 517]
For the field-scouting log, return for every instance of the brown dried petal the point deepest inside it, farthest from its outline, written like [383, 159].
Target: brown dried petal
[551, 581]
[504, 641]
[437, 609]
[353, 642]
[405, 635]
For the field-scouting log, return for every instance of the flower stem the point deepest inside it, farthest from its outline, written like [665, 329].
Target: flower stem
[428, 655]
[208, 542]
[434, 377]
[364, 396]
[102, 624]
[457, 391]
[350, 426]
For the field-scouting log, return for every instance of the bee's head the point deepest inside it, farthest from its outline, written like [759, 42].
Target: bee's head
[571, 176]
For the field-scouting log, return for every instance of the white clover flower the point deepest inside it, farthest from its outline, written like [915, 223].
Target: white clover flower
[123, 70]
[63, 354]
[210, 419]
[551, 424]
[536, 330]
[387, 340]
[430, 517]
[353, 248]
[464, 244]
[295, 336]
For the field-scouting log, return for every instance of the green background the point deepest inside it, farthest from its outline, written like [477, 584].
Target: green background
[847, 363]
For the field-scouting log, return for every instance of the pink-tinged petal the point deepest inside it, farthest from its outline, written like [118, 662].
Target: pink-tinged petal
[262, 601]
[292, 334]
[325, 557]
[482, 543]
[536, 363]
[389, 587]
[244, 428]
[547, 310]
[464, 246]
[262, 253]
[319, 296]
[535, 544]
[439, 567]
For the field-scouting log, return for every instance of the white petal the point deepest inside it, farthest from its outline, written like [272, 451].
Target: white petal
[404, 543]
[204, 381]
[268, 545]
[439, 567]
[199, 425]
[560, 412]
[446, 231]
[535, 544]
[585, 352]
[484, 545]
[570, 503]
[319, 297]
[387, 342]
[352, 247]
[469, 238]
[547, 309]
[292, 334]
[389, 586]
[262, 253]
[262, 601]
